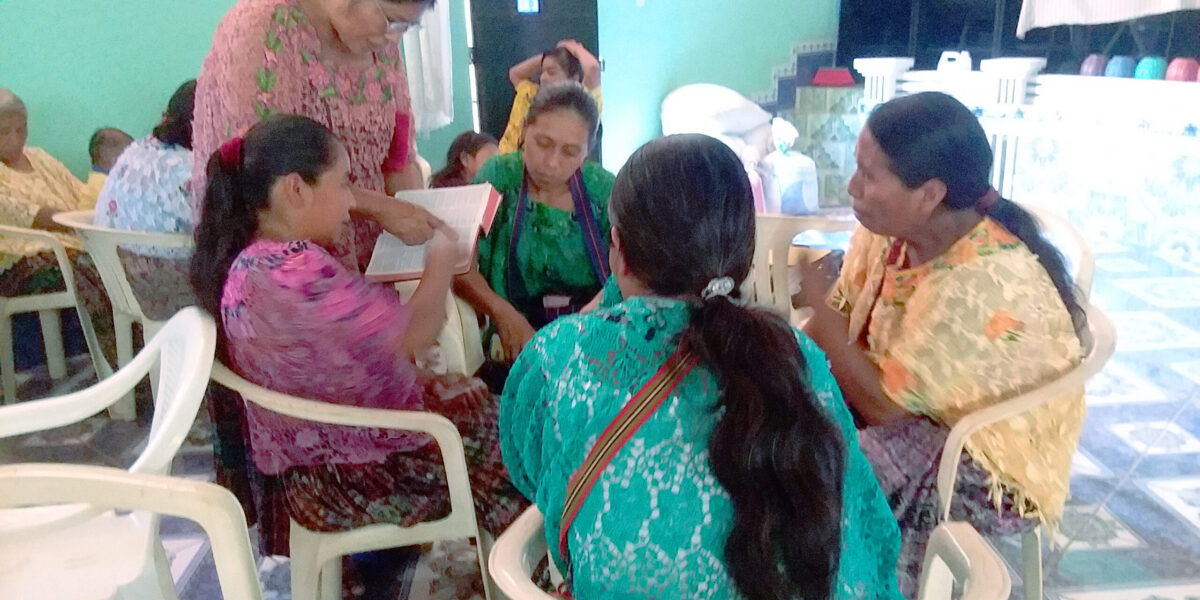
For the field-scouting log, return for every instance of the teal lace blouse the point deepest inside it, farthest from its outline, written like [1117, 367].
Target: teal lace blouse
[656, 522]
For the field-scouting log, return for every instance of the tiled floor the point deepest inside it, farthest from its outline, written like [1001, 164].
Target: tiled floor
[1132, 530]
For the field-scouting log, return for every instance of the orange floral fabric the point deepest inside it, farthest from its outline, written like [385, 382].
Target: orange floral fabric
[979, 324]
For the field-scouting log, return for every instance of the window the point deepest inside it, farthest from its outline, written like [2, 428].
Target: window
[528, 7]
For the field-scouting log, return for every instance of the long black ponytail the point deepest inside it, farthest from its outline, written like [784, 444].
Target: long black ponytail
[684, 213]
[931, 135]
[240, 176]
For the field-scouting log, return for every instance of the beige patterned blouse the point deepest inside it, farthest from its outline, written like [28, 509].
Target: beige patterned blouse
[976, 325]
[22, 195]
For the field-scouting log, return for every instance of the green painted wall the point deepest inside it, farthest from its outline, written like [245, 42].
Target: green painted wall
[651, 47]
[116, 63]
[83, 65]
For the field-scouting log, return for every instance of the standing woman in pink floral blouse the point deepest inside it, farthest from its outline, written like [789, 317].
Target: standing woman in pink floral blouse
[336, 62]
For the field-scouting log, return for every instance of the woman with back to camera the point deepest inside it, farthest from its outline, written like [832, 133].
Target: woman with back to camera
[747, 481]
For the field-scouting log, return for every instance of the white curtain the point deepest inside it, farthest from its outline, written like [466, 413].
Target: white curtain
[427, 59]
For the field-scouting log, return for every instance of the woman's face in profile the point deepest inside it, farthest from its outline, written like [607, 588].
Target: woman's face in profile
[363, 25]
[881, 201]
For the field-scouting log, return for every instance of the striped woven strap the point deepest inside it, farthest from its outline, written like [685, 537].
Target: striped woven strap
[619, 431]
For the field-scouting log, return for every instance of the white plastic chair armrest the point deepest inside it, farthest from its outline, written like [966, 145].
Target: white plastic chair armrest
[1104, 344]
[516, 554]
[45, 237]
[83, 220]
[967, 555]
[214, 508]
[442, 430]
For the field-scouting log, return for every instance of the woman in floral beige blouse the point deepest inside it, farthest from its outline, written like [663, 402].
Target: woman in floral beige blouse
[949, 300]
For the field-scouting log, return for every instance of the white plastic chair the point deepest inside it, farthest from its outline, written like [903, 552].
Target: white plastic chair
[1071, 243]
[183, 349]
[47, 307]
[958, 554]
[86, 561]
[316, 556]
[770, 278]
[1098, 349]
[516, 554]
[102, 244]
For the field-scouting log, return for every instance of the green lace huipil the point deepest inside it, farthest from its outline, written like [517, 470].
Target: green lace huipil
[656, 522]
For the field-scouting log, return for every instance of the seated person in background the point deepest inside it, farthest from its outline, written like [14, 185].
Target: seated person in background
[294, 319]
[748, 481]
[467, 153]
[949, 301]
[547, 253]
[569, 61]
[105, 146]
[34, 186]
[147, 190]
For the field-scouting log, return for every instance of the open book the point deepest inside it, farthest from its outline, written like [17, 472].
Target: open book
[467, 210]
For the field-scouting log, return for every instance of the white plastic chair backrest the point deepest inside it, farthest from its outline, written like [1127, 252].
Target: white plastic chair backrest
[1098, 347]
[517, 553]
[214, 508]
[958, 554]
[773, 241]
[102, 244]
[1071, 243]
[184, 350]
[462, 512]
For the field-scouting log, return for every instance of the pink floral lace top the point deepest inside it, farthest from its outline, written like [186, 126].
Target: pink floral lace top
[267, 59]
[299, 322]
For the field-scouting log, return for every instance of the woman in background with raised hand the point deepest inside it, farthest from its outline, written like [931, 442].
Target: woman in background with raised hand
[747, 482]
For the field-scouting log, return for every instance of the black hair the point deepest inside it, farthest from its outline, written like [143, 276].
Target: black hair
[238, 190]
[684, 214]
[467, 143]
[104, 141]
[931, 135]
[566, 95]
[176, 126]
[569, 62]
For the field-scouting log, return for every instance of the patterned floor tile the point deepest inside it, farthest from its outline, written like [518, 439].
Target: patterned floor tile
[1151, 330]
[1083, 465]
[1180, 495]
[1088, 527]
[1190, 370]
[1118, 384]
[1187, 591]
[184, 554]
[1156, 437]
[1164, 292]
[1121, 266]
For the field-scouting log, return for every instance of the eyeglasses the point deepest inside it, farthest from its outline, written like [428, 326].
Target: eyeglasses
[398, 27]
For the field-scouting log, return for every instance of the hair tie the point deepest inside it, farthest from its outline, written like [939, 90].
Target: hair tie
[231, 153]
[985, 202]
[717, 286]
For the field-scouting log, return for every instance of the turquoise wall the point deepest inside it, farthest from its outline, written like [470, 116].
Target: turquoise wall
[651, 47]
[116, 63]
[83, 65]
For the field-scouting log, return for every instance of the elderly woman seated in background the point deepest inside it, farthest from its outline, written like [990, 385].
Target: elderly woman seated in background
[148, 190]
[950, 300]
[34, 186]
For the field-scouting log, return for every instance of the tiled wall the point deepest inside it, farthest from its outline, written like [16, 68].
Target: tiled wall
[829, 120]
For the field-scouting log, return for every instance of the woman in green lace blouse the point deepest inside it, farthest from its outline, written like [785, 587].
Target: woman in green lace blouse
[747, 482]
[547, 253]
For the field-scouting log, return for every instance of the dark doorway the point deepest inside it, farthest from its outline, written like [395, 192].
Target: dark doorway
[505, 37]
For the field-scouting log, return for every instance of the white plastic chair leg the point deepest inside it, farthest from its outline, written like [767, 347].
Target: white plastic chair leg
[56, 359]
[306, 568]
[1031, 554]
[8, 366]
[331, 579]
[125, 409]
[162, 564]
[483, 548]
